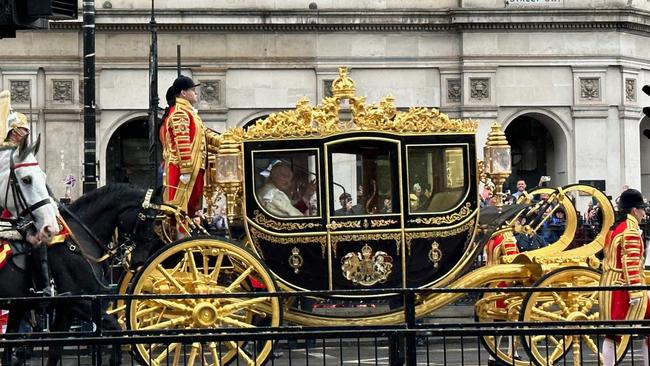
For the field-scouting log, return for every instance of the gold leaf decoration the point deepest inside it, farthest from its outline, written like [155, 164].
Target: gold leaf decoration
[336, 239]
[278, 225]
[448, 219]
[382, 223]
[335, 225]
[434, 234]
[323, 119]
[256, 235]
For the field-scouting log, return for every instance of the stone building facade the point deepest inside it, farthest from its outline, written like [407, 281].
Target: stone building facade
[563, 76]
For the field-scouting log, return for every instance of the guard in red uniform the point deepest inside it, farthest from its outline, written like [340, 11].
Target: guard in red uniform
[185, 142]
[498, 246]
[623, 265]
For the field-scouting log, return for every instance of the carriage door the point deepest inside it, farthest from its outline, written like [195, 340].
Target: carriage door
[364, 218]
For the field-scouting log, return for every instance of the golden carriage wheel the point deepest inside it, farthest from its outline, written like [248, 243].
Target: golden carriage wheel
[503, 349]
[565, 306]
[118, 307]
[202, 266]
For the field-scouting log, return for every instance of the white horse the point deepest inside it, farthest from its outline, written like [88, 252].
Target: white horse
[23, 191]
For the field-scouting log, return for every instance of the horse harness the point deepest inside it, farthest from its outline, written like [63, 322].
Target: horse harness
[73, 244]
[19, 197]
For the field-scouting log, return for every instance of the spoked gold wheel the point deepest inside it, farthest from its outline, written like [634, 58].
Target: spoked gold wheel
[118, 307]
[501, 307]
[203, 266]
[565, 306]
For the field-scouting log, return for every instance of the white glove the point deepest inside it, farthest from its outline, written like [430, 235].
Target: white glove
[185, 177]
[635, 301]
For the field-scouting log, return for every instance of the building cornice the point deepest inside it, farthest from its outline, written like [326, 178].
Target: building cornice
[368, 21]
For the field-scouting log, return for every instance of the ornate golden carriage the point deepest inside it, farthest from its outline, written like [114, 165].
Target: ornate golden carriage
[394, 204]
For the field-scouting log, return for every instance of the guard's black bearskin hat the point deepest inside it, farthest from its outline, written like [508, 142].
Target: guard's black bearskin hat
[631, 198]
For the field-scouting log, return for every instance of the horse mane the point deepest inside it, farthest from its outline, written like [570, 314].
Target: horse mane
[109, 195]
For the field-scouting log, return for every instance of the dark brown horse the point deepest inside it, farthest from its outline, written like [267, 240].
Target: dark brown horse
[75, 265]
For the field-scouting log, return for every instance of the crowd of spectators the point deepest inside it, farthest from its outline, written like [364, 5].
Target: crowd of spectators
[551, 230]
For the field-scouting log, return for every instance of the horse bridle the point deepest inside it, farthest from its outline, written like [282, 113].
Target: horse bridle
[19, 198]
[130, 237]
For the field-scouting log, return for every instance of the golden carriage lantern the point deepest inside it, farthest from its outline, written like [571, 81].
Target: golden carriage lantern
[229, 173]
[498, 164]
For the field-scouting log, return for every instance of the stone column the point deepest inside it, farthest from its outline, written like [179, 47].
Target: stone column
[629, 119]
[479, 101]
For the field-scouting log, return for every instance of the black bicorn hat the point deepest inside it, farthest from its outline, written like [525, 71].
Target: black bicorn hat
[183, 83]
[631, 198]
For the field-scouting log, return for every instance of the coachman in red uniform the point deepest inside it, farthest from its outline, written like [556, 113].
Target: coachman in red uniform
[623, 265]
[185, 142]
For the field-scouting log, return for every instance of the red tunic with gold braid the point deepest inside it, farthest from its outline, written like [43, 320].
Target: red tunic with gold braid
[183, 138]
[623, 265]
[497, 247]
[500, 245]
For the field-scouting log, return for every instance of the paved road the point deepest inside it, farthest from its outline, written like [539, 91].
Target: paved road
[351, 352]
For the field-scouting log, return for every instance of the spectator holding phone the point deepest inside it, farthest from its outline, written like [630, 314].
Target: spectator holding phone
[347, 208]
[521, 188]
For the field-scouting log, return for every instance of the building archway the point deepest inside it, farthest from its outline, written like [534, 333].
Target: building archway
[539, 148]
[252, 120]
[127, 155]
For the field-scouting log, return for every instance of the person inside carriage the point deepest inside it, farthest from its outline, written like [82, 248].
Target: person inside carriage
[274, 195]
[623, 265]
[347, 207]
[419, 199]
[186, 142]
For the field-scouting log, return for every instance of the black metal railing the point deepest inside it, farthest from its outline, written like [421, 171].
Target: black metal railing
[409, 343]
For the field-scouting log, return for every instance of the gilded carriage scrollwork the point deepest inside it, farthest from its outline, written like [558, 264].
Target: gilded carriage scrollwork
[367, 267]
[262, 220]
[435, 254]
[434, 234]
[256, 235]
[335, 225]
[465, 211]
[295, 260]
[323, 120]
[336, 239]
[382, 223]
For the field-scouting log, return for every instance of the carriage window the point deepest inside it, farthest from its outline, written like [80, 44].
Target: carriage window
[436, 177]
[286, 183]
[362, 179]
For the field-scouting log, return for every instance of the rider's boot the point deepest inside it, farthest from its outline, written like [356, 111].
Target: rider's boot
[41, 271]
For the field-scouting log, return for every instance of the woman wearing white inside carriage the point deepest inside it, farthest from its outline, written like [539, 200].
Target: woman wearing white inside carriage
[274, 195]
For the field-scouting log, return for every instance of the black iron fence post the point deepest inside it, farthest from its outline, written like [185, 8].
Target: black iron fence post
[96, 305]
[409, 314]
[394, 357]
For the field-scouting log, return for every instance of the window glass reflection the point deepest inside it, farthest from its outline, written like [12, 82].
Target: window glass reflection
[362, 180]
[436, 178]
